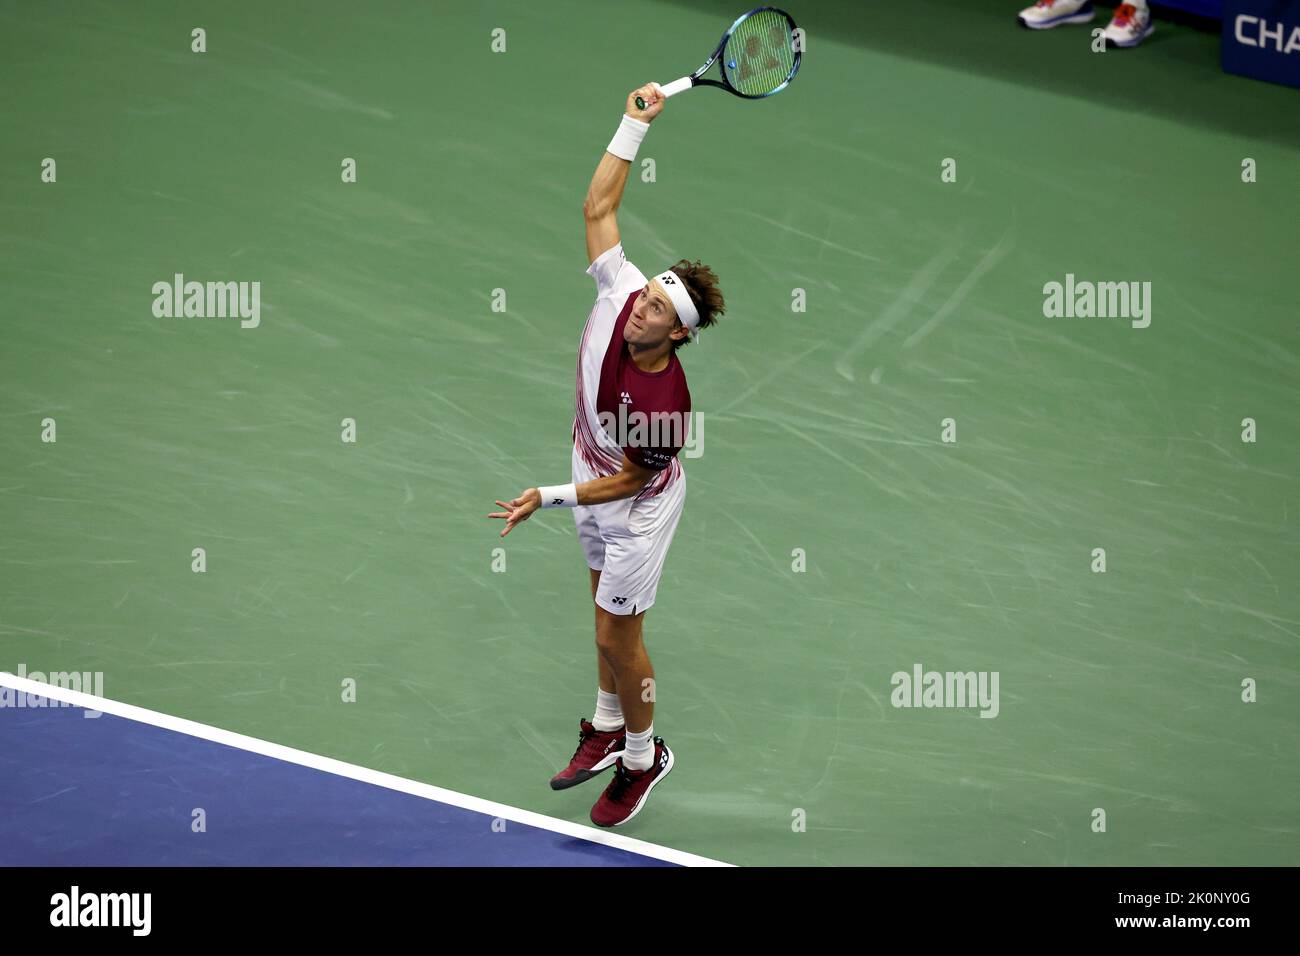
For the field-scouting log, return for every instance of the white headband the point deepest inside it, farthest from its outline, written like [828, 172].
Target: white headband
[681, 300]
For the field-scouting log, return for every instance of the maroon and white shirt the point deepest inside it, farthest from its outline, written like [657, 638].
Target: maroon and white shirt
[607, 378]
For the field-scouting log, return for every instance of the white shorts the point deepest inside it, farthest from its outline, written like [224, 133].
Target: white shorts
[627, 542]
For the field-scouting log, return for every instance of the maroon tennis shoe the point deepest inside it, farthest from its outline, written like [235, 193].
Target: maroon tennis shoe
[629, 790]
[597, 749]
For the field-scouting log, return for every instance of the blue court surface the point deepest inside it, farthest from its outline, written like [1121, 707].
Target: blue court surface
[113, 791]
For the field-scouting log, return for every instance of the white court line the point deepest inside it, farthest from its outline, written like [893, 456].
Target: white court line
[354, 772]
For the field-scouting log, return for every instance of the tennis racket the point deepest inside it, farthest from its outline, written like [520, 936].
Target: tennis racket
[757, 57]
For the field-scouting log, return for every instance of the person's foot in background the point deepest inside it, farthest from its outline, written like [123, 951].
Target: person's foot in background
[1046, 14]
[1130, 25]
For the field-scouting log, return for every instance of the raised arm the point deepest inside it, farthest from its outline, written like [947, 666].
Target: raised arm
[606, 189]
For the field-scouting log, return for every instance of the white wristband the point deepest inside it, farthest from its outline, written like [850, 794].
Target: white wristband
[628, 138]
[559, 496]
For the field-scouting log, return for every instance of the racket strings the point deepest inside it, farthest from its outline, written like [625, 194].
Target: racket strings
[760, 54]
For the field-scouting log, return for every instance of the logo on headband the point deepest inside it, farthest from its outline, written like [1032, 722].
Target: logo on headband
[668, 280]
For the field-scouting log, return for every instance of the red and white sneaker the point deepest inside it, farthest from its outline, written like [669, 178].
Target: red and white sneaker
[1129, 26]
[627, 792]
[597, 749]
[1046, 14]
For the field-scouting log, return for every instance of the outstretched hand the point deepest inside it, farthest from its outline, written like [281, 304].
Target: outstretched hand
[519, 509]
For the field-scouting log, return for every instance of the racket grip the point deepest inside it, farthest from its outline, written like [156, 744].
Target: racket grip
[640, 103]
[667, 90]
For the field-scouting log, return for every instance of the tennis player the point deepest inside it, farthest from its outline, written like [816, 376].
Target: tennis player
[628, 486]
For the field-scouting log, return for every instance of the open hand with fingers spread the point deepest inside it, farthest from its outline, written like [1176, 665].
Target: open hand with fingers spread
[519, 509]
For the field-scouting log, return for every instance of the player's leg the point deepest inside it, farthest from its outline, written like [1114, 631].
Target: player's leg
[604, 676]
[600, 740]
[634, 558]
[646, 759]
[635, 551]
[609, 713]
[608, 716]
[622, 650]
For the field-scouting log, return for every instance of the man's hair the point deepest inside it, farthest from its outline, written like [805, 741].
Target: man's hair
[702, 286]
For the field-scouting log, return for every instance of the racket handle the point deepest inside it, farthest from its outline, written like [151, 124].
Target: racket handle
[640, 103]
[667, 90]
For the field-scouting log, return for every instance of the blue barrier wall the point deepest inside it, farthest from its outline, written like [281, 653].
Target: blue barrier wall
[1261, 39]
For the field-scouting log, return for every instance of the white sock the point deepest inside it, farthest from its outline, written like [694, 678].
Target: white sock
[609, 715]
[639, 750]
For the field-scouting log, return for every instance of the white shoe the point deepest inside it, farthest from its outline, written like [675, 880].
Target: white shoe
[1130, 26]
[1046, 14]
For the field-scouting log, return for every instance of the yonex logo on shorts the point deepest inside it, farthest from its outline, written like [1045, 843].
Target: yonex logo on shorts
[619, 600]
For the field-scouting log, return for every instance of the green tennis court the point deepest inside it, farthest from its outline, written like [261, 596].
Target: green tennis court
[831, 536]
